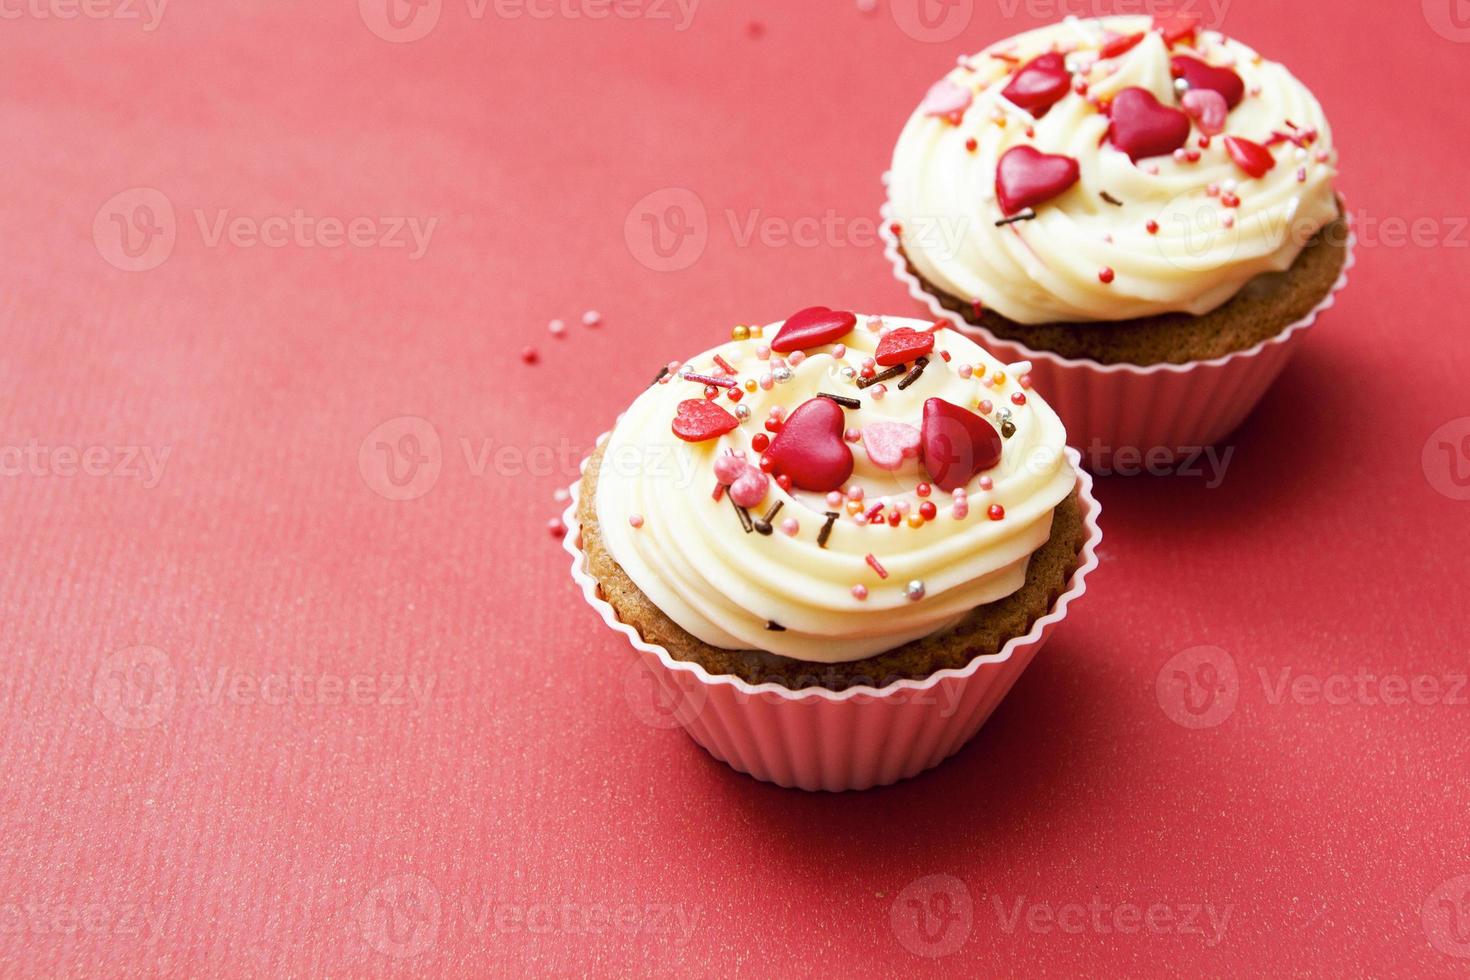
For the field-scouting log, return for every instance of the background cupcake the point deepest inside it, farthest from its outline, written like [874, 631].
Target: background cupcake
[834, 506]
[1120, 198]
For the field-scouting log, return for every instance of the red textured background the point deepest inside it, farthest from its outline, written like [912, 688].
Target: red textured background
[155, 823]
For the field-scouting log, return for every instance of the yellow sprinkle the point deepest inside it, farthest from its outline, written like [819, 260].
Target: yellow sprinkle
[750, 385]
[741, 332]
[916, 520]
[998, 377]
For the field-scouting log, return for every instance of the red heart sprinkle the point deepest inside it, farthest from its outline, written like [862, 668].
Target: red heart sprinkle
[809, 448]
[903, 345]
[1144, 127]
[812, 327]
[1253, 158]
[1176, 26]
[1039, 84]
[957, 444]
[1117, 44]
[697, 420]
[1026, 177]
[1215, 78]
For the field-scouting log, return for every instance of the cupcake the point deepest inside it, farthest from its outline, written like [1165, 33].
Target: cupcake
[1142, 208]
[841, 537]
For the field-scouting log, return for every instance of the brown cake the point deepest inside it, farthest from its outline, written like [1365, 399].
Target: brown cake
[983, 631]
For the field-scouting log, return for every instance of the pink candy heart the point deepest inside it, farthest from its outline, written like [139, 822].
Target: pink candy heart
[945, 98]
[1207, 108]
[890, 443]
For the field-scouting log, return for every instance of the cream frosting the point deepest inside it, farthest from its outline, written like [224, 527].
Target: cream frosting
[1051, 269]
[688, 552]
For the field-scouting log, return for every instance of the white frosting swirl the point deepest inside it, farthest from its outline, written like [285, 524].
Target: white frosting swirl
[1048, 269]
[690, 555]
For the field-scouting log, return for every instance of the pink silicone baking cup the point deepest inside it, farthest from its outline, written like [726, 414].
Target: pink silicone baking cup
[816, 739]
[1163, 409]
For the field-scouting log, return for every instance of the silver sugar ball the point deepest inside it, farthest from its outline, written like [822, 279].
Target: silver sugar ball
[914, 590]
[781, 375]
[848, 373]
[1181, 86]
[742, 412]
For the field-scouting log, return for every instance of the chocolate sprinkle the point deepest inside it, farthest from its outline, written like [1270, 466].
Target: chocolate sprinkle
[826, 531]
[1023, 216]
[913, 375]
[1007, 428]
[660, 376]
[774, 626]
[842, 400]
[744, 516]
[1111, 199]
[763, 524]
[884, 375]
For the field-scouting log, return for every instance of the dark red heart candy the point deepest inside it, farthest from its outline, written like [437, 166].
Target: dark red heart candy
[1026, 177]
[1253, 158]
[809, 447]
[812, 327]
[903, 345]
[1142, 126]
[1215, 78]
[956, 444]
[697, 420]
[1039, 84]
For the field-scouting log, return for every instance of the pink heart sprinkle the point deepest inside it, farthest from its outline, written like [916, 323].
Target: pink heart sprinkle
[1207, 108]
[890, 443]
[945, 98]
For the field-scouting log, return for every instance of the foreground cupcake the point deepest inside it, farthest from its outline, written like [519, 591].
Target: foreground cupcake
[830, 507]
[1125, 201]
